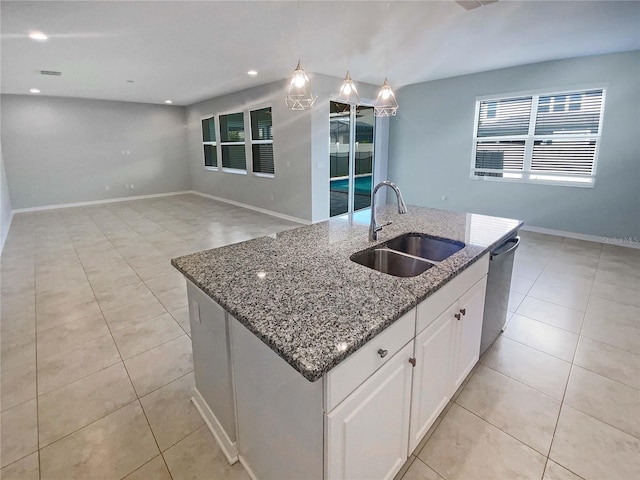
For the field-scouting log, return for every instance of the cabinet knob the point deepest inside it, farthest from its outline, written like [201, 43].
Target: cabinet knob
[412, 361]
[458, 316]
[463, 311]
[383, 353]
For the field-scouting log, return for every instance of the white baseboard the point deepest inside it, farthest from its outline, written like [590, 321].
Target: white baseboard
[98, 202]
[251, 207]
[229, 448]
[629, 243]
[247, 468]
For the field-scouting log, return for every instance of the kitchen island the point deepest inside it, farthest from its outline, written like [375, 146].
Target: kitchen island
[309, 365]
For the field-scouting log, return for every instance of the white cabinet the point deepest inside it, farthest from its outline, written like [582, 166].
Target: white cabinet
[367, 433]
[364, 417]
[469, 330]
[446, 351]
[432, 375]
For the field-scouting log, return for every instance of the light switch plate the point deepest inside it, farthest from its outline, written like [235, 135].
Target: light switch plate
[195, 310]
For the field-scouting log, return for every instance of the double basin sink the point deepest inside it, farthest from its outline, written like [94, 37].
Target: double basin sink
[408, 255]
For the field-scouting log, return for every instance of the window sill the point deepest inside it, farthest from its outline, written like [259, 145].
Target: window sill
[235, 171]
[535, 182]
[264, 175]
[211, 169]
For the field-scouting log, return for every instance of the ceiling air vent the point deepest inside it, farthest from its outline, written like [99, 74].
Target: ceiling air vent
[471, 4]
[53, 73]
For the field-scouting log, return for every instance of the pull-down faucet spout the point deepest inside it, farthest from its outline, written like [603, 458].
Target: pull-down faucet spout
[402, 208]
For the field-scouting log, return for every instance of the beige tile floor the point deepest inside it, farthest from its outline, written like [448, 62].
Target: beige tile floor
[558, 395]
[97, 368]
[96, 359]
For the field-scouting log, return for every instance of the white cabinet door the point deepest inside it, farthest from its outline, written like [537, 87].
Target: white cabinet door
[469, 331]
[432, 375]
[367, 433]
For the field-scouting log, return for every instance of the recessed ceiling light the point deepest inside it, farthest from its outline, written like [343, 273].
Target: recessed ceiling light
[34, 90]
[253, 73]
[37, 36]
[169, 102]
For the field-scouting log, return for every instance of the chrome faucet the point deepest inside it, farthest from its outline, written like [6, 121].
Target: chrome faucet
[402, 208]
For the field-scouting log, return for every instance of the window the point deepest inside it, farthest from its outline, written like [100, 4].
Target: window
[225, 144]
[232, 141]
[262, 141]
[209, 143]
[549, 138]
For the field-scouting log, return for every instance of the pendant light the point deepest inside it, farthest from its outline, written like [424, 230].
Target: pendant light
[299, 96]
[386, 104]
[348, 91]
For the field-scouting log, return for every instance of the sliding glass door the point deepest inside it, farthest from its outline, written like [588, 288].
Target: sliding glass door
[352, 134]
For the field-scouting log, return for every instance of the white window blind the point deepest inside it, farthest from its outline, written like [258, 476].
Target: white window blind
[232, 141]
[262, 141]
[550, 138]
[209, 143]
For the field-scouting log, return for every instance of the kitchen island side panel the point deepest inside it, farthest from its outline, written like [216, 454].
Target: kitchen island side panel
[212, 360]
[279, 413]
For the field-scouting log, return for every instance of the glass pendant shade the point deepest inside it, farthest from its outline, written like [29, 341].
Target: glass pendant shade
[348, 91]
[386, 104]
[299, 96]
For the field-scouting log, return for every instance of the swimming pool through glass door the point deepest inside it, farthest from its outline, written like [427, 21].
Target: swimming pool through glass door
[351, 157]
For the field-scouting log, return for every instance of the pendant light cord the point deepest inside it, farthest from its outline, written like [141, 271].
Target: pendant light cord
[348, 38]
[386, 66]
[299, 41]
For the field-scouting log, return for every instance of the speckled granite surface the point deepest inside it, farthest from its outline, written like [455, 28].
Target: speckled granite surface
[299, 292]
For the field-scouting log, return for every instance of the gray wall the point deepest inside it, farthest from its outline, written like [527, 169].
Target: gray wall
[300, 187]
[5, 203]
[431, 142]
[289, 192]
[65, 150]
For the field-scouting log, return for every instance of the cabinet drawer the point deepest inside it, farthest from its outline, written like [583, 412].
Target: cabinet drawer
[346, 377]
[433, 306]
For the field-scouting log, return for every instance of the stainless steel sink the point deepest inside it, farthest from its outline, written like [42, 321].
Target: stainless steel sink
[408, 255]
[423, 246]
[392, 263]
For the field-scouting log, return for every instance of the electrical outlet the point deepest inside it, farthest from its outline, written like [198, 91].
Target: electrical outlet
[195, 311]
[132, 187]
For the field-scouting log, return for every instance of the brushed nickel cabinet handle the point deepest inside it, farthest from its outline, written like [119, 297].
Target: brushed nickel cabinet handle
[458, 316]
[463, 311]
[383, 353]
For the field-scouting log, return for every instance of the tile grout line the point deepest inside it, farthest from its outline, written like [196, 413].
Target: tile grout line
[136, 392]
[542, 351]
[503, 431]
[521, 382]
[35, 327]
[562, 401]
[126, 369]
[124, 365]
[566, 387]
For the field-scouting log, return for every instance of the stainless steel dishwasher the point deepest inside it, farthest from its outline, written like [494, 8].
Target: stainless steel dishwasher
[498, 286]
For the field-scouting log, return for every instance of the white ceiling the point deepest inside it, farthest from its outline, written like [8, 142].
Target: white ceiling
[189, 51]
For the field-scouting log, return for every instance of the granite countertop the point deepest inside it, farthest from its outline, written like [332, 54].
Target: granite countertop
[299, 292]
